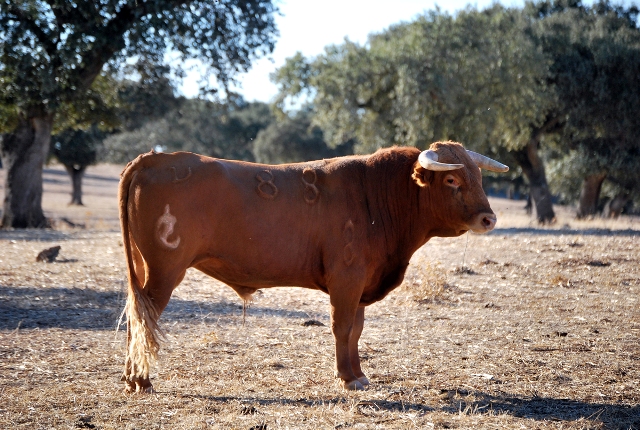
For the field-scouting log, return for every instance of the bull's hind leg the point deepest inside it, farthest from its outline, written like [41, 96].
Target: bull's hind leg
[142, 327]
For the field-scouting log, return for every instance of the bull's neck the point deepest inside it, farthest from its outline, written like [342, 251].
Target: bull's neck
[398, 215]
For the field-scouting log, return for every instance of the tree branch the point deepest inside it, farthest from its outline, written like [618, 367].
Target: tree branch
[45, 40]
[111, 39]
[551, 124]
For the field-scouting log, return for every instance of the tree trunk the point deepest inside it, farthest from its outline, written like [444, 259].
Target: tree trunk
[614, 207]
[23, 154]
[589, 195]
[533, 168]
[76, 172]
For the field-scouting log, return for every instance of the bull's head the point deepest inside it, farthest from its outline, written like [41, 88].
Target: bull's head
[456, 198]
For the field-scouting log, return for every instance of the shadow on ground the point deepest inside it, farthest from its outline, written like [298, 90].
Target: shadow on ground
[611, 416]
[564, 232]
[545, 408]
[36, 235]
[89, 309]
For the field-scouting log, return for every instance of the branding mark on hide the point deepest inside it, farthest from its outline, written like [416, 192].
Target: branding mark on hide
[311, 192]
[165, 228]
[175, 175]
[348, 253]
[266, 184]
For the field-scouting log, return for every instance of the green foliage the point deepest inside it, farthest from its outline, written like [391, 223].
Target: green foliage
[52, 51]
[101, 106]
[77, 148]
[8, 117]
[146, 93]
[204, 127]
[475, 77]
[293, 140]
[567, 170]
[111, 105]
[241, 131]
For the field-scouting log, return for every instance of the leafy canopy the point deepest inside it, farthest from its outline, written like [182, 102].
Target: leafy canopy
[293, 140]
[475, 77]
[51, 51]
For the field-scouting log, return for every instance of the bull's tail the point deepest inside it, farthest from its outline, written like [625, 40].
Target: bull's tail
[143, 332]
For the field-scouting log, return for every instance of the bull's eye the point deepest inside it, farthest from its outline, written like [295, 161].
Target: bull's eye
[451, 181]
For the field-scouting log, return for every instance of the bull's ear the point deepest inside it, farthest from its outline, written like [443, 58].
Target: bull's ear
[422, 176]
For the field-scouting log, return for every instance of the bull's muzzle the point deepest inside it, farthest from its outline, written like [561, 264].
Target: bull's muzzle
[483, 223]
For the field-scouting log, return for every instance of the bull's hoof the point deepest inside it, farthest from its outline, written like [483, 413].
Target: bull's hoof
[364, 381]
[353, 385]
[137, 386]
[145, 390]
[129, 386]
[137, 389]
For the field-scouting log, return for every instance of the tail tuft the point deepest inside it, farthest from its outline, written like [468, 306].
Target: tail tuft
[143, 345]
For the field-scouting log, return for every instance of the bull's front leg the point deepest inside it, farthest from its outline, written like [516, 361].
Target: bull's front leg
[354, 354]
[343, 323]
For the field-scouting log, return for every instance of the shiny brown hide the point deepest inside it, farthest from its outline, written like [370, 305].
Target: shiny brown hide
[347, 226]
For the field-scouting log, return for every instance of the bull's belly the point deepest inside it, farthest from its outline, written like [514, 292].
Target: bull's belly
[264, 250]
[259, 273]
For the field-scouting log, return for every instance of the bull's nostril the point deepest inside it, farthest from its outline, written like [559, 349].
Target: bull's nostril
[484, 222]
[488, 222]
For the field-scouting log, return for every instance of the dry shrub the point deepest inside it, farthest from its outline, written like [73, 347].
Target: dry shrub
[426, 282]
[210, 339]
[562, 281]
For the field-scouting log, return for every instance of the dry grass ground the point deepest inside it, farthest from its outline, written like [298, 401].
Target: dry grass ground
[539, 329]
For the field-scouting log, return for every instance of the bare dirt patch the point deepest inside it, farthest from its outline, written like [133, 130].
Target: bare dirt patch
[525, 327]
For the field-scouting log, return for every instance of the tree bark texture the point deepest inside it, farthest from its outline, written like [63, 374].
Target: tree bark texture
[533, 168]
[23, 155]
[590, 195]
[76, 173]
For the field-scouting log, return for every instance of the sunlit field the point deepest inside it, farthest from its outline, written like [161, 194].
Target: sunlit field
[525, 327]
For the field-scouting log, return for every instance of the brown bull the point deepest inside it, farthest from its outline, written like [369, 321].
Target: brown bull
[347, 226]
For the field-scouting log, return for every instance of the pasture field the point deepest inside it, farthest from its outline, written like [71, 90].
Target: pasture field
[526, 327]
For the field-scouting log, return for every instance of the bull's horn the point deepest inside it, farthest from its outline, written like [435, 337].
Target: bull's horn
[487, 163]
[429, 160]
